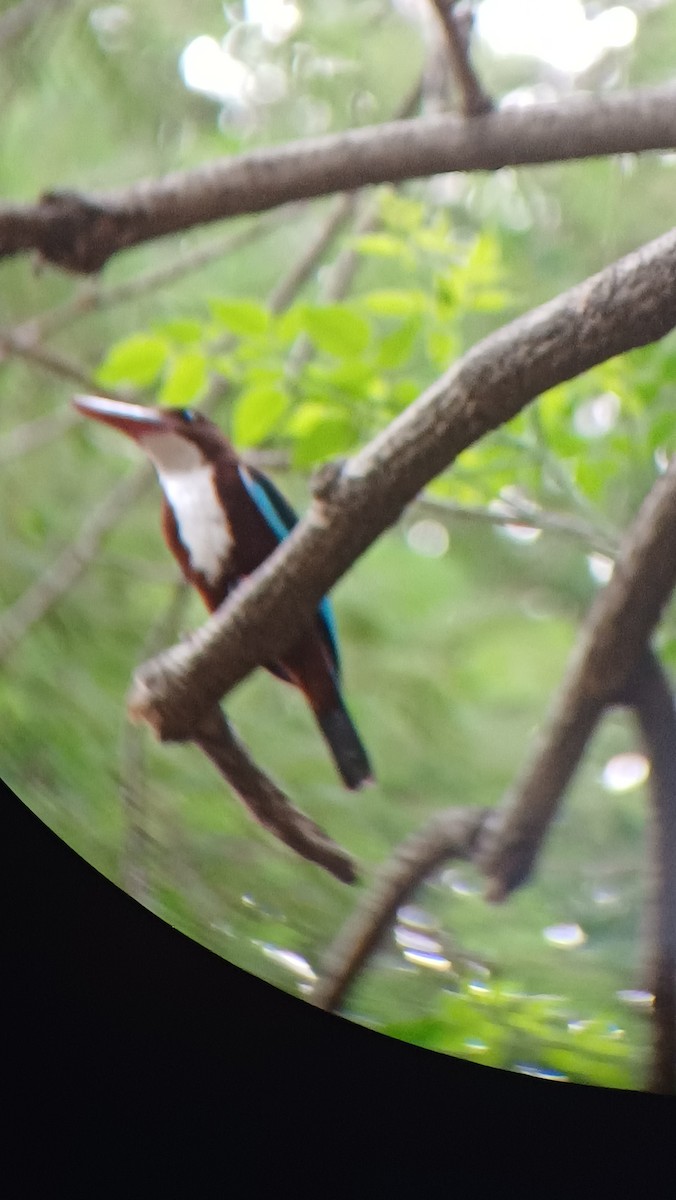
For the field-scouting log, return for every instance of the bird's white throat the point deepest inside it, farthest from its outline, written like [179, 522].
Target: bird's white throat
[202, 524]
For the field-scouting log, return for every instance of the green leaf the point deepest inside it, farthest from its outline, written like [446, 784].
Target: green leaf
[428, 1032]
[319, 431]
[483, 260]
[138, 359]
[262, 373]
[583, 1069]
[289, 325]
[442, 347]
[396, 302]
[351, 376]
[336, 329]
[181, 331]
[490, 300]
[243, 317]
[404, 392]
[449, 295]
[662, 431]
[435, 241]
[592, 476]
[384, 245]
[256, 413]
[395, 348]
[400, 212]
[185, 380]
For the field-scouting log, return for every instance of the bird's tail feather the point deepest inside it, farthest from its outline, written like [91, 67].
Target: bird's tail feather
[343, 741]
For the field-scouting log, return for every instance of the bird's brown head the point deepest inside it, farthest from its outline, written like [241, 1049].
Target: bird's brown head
[175, 439]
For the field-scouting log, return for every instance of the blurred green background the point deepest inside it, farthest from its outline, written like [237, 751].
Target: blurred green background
[454, 631]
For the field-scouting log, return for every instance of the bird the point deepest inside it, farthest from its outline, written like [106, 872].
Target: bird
[221, 518]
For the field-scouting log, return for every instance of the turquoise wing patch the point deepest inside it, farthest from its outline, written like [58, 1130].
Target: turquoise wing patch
[281, 519]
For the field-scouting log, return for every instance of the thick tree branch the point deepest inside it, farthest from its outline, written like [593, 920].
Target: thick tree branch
[592, 684]
[611, 644]
[80, 233]
[629, 304]
[654, 704]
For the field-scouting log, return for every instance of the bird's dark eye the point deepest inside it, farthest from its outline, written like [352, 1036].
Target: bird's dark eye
[186, 414]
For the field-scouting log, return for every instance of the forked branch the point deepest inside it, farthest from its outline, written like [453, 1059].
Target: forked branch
[611, 645]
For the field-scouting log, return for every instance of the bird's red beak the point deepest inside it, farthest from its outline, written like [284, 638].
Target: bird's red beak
[133, 419]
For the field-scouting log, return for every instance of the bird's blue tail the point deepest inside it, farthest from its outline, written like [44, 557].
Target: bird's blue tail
[343, 741]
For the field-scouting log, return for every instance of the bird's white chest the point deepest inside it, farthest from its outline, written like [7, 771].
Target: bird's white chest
[200, 519]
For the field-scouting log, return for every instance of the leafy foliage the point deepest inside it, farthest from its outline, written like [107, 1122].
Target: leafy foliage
[368, 356]
[501, 1026]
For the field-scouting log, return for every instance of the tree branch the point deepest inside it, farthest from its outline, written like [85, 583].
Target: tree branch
[20, 18]
[447, 835]
[264, 800]
[21, 344]
[133, 860]
[473, 99]
[36, 602]
[92, 298]
[516, 514]
[654, 703]
[629, 304]
[613, 639]
[290, 285]
[610, 660]
[33, 434]
[80, 233]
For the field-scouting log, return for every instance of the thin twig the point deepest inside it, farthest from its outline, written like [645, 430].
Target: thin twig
[654, 704]
[22, 345]
[60, 576]
[340, 276]
[21, 18]
[473, 99]
[335, 286]
[530, 518]
[264, 800]
[552, 466]
[133, 865]
[30, 436]
[447, 835]
[92, 297]
[134, 871]
[290, 285]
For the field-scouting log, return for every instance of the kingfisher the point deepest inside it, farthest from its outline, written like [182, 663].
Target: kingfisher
[221, 519]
